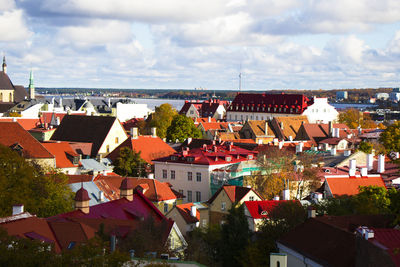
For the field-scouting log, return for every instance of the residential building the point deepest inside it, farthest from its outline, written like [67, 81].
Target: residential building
[382, 96]
[316, 132]
[341, 95]
[259, 131]
[150, 146]
[211, 130]
[67, 160]
[16, 138]
[320, 111]
[286, 128]
[199, 172]
[105, 133]
[264, 106]
[213, 108]
[395, 95]
[189, 216]
[227, 196]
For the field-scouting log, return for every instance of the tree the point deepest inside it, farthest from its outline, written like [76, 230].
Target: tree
[129, 163]
[365, 147]
[161, 119]
[390, 138]
[372, 200]
[26, 183]
[181, 128]
[354, 118]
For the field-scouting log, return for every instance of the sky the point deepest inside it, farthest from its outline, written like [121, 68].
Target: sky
[186, 44]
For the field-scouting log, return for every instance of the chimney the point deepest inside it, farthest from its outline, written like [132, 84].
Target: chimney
[14, 119]
[276, 198]
[266, 128]
[275, 140]
[337, 132]
[154, 132]
[280, 144]
[347, 153]
[290, 138]
[299, 147]
[311, 212]
[193, 210]
[82, 200]
[58, 121]
[370, 161]
[126, 189]
[352, 164]
[189, 140]
[215, 149]
[381, 163]
[61, 103]
[134, 133]
[150, 176]
[109, 102]
[101, 196]
[364, 172]
[333, 151]
[330, 128]
[209, 119]
[17, 209]
[281, 125]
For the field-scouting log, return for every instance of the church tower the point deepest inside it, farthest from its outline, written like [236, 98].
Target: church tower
[4, 64]
[31, 86]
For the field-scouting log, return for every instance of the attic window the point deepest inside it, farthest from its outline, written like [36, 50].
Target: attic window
[264, 212]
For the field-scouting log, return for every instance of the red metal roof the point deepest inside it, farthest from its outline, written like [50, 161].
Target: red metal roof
[261, 209]
[390, 240]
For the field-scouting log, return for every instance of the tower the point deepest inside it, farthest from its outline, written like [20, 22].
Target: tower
[31, 86]
[4, 64]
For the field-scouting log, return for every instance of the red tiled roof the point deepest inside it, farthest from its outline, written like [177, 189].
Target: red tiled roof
[210, 155]
[214, 125]
[60, 151]
[350, 186]
[26, 123]
[47, 116]
[234, 192]
[77, 178]
[11, 133]
[204, 108]
[185, 211]
[199, 120]
[390, 239]
[131, 123]
[267, 102]
[317, 132]
[150, 148]
[261, 209]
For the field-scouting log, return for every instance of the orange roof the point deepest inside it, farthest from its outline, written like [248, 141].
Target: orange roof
[350, 186]
[150, 148]
[199, 120]
[12, 134]
[60, 151]
[185, 211]
[214, 125]
[27, 124]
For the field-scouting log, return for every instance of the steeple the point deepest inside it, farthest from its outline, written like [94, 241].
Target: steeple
[31, 86]
[4, 64]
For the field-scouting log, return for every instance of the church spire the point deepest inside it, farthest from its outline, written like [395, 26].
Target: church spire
[4, 64]
[31, 86]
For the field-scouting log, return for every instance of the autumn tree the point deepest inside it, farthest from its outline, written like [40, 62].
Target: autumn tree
[181, 128]
[366, 147]
[129, 163]
[354, 118]
[43, 194]
[390, 138]
[161, 119]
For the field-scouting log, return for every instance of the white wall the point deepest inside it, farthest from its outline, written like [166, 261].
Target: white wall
[32, 112]
[129, 111]
[243, 116]
[321, 111]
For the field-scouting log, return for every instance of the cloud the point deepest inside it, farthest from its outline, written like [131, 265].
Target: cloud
[12, 26]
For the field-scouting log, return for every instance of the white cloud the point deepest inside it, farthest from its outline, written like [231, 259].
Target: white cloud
[12, 26]
[6, 5]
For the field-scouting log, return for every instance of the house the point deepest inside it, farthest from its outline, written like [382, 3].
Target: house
[103, 188]
[320, 111]
[262, 106]
[213, 108]
[199, 172]
[211, 130]
[354, 240]
[67, 160]
[105, 133]
[259, 131]
[130, 210]
[197, 121]
[316, 132]
[286, 128]
[9, 93]
[189, 216]
[257, 211]
[227, 196]
[150, 146]
[16, 138]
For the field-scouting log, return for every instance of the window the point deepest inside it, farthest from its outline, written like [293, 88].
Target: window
[223, 205]
[116, 140]
[180, 191]
[172, 175]
[189, 196]
[164, 174]
[198, 196]
[198, 176]
[235, 117]
[108, 149]
[251, 198]
[165, 207]
[204, 222]
[190, 176]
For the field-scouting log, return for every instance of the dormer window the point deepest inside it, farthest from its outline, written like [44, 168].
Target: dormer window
[173, 157]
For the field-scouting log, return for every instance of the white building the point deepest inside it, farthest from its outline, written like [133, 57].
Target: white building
[190, 171]
[126, 111]
[321, 111]
[395, 95]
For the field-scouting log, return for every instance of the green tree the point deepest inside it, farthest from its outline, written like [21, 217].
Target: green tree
[390, 138]
[353, 118]
[366, 147]
[26, 183]
[372, 200]
[129, 163]
[235, 236]
[161, 119]
[181, 128]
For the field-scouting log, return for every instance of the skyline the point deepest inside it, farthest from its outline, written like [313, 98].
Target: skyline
[285, 44]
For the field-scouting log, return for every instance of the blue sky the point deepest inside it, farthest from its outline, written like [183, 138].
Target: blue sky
[277, 44]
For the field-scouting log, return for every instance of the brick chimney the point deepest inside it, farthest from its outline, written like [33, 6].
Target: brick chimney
[126, 189]
[82, 200]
